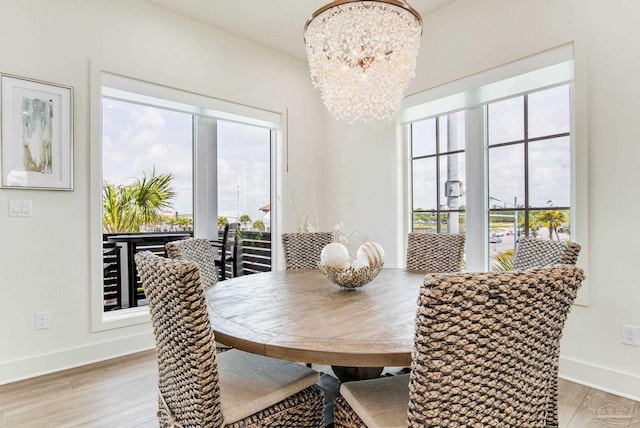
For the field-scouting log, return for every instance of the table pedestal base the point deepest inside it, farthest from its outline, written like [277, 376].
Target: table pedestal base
[347, 374]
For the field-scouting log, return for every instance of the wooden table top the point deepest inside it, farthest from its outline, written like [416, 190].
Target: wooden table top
[302, 316]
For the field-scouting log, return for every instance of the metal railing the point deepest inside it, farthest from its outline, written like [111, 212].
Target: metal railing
[254, 256]
[255, 252]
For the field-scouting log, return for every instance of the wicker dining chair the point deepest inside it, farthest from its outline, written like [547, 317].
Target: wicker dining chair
[199, 387]
[484, 347]
[302, 250]
[435, 252]
[197, 250]
[532, 252]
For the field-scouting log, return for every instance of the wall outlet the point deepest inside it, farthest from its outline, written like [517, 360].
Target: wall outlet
[41, 320]
[630, 335]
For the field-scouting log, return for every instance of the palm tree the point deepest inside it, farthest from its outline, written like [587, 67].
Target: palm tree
[115, 217]
[259, 225]
[504, 261]
[126, 207]
[553, 220]
[184, 222]
[181, 222]
[244, 219]
[151, 196]
[222, 222]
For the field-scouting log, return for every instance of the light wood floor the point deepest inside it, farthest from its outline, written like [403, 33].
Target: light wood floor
[122, 393]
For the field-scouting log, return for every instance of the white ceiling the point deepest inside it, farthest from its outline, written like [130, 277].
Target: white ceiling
[277, 24]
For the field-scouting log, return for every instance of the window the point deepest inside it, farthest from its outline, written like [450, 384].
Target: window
[244, 174]
[438, 165]
[529, 163]
[201, 160]
[492, 157]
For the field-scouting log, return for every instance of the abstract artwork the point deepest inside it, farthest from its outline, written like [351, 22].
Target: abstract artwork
[36, 130]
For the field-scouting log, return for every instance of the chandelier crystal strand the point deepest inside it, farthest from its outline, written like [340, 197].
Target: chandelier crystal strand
[362, 55]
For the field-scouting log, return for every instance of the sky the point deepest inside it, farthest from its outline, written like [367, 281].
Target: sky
[138, 138]
[549, 159]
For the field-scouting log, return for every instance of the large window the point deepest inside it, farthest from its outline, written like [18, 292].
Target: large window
[171, 162]
[494, 161]
[148, 183]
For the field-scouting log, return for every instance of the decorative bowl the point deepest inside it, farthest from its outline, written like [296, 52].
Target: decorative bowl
[350, 277]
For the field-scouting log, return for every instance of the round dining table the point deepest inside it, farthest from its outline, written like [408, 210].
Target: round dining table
[299, 315]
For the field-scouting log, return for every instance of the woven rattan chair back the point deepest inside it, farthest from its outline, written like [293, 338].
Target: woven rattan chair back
[187, 364]
[197, 250]
[531, 252]
[302, 250]
[435, 252]
[188, 370]
[485, 346]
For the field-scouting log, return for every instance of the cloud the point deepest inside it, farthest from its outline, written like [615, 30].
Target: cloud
[550, 172]
[139, 138]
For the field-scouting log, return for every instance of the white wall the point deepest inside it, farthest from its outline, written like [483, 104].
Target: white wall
[44, 260]
[470, 36]
[361, 182]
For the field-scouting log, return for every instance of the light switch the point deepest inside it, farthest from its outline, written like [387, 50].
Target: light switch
[14, 208]
[20, 208]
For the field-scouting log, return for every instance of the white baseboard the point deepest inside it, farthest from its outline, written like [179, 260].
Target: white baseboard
[603, 378]
[37, 365]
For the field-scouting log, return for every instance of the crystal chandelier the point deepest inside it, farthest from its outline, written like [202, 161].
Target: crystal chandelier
[362, 55]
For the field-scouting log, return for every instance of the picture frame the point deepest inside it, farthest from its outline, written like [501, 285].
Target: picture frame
[36, 134]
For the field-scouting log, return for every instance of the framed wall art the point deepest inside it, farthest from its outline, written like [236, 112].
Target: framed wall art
[36, 134]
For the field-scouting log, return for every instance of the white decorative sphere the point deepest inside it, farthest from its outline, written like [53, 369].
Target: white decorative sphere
[371, 252]
[335, 255]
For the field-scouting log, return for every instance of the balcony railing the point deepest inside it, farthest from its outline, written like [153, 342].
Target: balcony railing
[254, 256]
[255, 252]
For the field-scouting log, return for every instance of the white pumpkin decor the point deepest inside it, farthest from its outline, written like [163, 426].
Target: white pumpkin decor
[335, 255]
[372, 253]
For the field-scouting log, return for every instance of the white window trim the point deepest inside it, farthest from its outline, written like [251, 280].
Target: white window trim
[209, 109]
[548, 68]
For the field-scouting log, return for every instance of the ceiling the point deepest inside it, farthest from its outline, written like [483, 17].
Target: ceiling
[277, 24]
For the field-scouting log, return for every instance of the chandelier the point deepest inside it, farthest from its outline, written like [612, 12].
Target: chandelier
[362, 55]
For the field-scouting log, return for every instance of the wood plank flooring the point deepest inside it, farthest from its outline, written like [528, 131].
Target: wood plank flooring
[122, 393]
